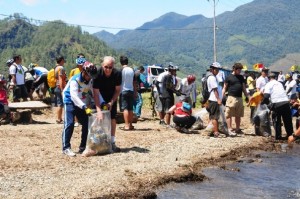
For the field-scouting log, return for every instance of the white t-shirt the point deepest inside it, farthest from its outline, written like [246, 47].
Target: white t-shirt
[281, 78]
[212, 83]
[188, 89]
[261, 82]
[127, 79]
[160, 79]
[291, 84]
[19, 72]
[220, 76]
[276, 91]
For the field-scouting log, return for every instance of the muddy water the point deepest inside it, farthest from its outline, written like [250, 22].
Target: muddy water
[271, 176]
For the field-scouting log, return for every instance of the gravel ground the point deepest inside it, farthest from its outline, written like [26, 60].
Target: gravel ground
[32, 164]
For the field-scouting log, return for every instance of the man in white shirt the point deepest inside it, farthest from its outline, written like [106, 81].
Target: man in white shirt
[221, 78]
[291, 87]
[215, 97]
[281, 78]
[262, 80]
[18, 79]
[280, 105]
[187, 88]
[128, 93]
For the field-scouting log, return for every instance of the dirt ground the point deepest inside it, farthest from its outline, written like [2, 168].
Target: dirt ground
[33, 166]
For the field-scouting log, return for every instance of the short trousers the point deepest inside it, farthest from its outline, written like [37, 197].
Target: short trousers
[127, 99]
[20, 91]
[166, 103]
[213, 110]
[234, 107]
[58, 100]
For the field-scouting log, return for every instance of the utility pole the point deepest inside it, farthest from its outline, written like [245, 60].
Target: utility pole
[215, 27]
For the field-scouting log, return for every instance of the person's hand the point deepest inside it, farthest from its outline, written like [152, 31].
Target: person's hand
[100, 115]
[194, 104]
[219, 101]
[88, 111]
[246, 99]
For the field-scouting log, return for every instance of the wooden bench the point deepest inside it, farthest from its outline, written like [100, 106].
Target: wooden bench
[22, 111]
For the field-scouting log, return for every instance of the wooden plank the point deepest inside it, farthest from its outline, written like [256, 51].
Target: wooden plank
[28, 105]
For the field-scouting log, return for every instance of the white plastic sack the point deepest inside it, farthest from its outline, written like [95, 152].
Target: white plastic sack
[222, 121]
[262, 120]
[99, 136]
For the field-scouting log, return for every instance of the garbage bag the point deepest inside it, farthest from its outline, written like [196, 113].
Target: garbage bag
[222, 121]
[99, 137]
[262, 121]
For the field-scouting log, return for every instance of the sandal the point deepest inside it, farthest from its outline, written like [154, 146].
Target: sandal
[123, 128]
[59, 121]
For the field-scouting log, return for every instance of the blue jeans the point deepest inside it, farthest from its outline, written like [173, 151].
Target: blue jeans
[70, 111]
[137, 105]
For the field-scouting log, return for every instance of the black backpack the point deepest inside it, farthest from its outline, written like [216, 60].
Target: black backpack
[205, 92]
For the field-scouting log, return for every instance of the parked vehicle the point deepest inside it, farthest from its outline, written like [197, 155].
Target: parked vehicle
[152, 73]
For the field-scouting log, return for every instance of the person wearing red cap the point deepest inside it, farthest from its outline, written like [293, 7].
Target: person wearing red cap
[187, 88]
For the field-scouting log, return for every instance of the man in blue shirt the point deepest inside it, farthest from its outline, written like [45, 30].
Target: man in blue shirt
[75, 104]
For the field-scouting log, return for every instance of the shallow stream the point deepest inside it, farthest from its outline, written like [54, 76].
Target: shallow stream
[269, 175]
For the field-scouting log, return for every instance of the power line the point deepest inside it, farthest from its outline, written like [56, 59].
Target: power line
[39, 22]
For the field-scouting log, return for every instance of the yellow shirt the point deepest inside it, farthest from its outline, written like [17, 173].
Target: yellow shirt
[256, 99]
[250, 83]
[73, 72]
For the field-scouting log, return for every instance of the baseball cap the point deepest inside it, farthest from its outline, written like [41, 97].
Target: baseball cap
[215, 65]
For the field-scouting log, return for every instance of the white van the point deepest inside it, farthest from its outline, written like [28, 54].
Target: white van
[153, 72]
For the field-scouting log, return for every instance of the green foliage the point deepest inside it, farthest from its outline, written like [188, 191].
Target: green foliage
[259, 31]
[42, 44]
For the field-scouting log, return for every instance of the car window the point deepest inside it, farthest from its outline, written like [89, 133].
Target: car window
[156, 71]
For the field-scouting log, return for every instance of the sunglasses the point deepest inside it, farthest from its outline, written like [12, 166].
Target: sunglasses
[108, 67]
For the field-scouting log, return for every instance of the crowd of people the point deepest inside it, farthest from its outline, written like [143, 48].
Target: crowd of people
[101, 87]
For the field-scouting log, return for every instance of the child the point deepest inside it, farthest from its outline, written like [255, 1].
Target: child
[4, 109]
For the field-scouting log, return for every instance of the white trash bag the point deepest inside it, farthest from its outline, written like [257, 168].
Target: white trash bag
[99, 136]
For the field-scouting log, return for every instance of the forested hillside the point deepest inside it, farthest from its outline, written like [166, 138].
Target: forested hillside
[260, 31]
[41, 44]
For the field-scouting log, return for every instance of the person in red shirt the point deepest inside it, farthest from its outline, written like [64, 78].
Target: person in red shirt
[182, 115]
[4, 109]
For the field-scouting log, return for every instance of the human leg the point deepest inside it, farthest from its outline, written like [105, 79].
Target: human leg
[84, 120]
[68, 126]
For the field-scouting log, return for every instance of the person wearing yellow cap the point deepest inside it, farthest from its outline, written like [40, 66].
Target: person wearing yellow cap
[291, 87]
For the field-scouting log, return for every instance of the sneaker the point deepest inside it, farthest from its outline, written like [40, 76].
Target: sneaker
[69, 152]
[81, 149]
[76, 124]
[231, 133]
[115, 149]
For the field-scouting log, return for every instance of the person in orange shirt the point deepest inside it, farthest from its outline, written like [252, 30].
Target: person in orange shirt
[254, 100]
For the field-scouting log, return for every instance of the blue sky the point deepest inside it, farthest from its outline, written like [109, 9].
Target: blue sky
[114, 14]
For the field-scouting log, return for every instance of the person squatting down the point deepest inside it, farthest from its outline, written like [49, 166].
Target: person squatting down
[182, 115]
[74, 98]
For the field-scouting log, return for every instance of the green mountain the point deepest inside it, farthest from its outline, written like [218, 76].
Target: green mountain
[41, 44]
[261, 31]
